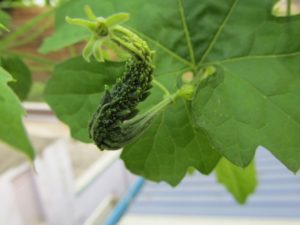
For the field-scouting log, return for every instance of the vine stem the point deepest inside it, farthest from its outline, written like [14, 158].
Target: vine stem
[161, 86]
[148, 115]
[185, 92]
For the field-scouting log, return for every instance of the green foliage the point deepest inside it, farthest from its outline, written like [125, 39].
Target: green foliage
[251, 99]
[4, 19]
[12, 130]
[11, 127]
[20, 73]
[241, 182]
[75, 89]
[256, 102]
[2, 27]
[15, 71]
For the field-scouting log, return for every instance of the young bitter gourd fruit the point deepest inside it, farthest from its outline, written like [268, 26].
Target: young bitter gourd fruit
[112, 125]
[115, 122]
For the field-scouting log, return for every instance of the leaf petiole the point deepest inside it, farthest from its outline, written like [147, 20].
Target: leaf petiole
[148, 115]
[161, 86]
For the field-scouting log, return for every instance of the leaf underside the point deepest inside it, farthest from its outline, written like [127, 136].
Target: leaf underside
[241, 182]
[252, 100]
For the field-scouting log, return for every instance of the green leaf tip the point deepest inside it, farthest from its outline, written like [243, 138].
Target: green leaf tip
[240, 182]
[81, 22]
[89, 13]
[4, 27]
[116, 19]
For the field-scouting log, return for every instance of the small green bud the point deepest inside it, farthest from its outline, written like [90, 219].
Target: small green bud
[187, 92]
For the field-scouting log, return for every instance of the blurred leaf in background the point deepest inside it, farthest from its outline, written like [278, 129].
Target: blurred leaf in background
[4, 18]
[20, 73]
[12, 130]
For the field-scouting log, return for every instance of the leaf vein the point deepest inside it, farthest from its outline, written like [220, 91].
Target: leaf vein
[186, 32]
[217, 34]
[285, 55]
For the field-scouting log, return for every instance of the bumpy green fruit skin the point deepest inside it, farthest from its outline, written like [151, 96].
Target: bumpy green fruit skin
[109, 128]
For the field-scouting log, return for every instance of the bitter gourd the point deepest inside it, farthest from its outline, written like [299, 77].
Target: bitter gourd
[113, 124]
[116, 121]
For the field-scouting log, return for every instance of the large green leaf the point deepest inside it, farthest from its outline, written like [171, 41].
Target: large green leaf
[241, 182]
[21, 74]
[169, 147]
[251, 50]
[11, 127]
[172, 144]
[257, 101]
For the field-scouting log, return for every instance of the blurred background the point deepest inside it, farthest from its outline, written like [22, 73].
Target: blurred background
[72, 183]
